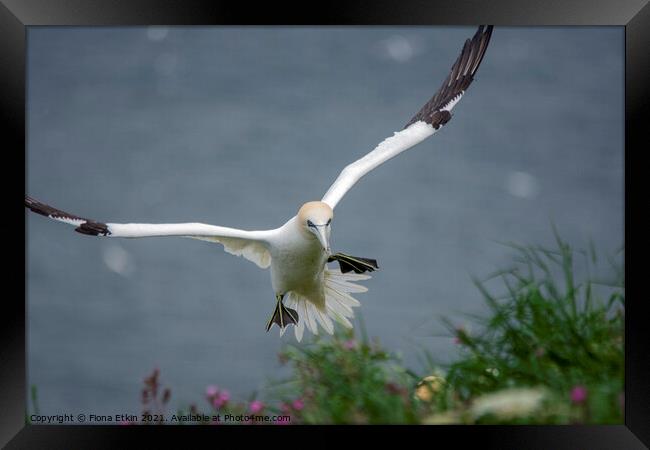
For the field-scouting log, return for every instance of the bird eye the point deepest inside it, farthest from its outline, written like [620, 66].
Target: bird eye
[329, 221]
[310, 223]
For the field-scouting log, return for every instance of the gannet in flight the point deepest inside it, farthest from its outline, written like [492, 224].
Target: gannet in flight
[298, 252]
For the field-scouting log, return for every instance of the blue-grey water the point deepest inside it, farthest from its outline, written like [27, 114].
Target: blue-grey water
[240, 126]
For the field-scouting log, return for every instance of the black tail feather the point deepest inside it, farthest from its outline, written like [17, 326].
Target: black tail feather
[357, 264]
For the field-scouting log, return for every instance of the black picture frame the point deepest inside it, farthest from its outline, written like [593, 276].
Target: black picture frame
[16, 15]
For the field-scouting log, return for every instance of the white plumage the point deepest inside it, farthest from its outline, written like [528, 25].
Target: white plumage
[309, 293]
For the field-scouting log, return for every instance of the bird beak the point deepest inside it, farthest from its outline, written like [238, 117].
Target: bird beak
[322, 233]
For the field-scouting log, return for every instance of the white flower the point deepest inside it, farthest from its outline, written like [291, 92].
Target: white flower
[508, 403]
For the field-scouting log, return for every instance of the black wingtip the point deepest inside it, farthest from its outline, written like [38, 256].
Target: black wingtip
[484, 29]
[38, 207]
[93, 229]
[88, 227]
[457, 81]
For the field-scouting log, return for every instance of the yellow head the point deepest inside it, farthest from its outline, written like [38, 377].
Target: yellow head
[316, 219]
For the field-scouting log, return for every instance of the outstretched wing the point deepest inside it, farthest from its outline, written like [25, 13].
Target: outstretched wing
[433, 115]
[252, 245]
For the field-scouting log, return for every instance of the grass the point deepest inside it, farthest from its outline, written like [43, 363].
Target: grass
[549, 350]
[548, 333]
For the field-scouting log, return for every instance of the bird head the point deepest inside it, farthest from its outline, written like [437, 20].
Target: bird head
[316, 219]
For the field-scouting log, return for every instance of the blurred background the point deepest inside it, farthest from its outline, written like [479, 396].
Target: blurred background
[240, 126]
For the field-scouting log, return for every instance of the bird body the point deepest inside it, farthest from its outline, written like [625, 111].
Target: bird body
[308, 292]
[297, 262]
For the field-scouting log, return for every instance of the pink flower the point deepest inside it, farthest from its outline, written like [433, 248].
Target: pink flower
[298, 404]
[285, 408]
[211, 391]
[256, 406]
[221, 399]
[350, 345]
[578, 394]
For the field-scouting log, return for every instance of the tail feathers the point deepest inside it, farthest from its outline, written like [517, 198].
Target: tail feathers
[357, 264]
[338, 304]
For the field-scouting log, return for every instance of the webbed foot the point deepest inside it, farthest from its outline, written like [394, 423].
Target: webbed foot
[357, 264]
[282, 315]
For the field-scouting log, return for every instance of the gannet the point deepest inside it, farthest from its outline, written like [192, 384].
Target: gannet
[308, 292]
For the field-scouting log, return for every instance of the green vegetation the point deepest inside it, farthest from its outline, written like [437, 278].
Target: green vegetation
[549, 334]
[342, 380]
[548, 351]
